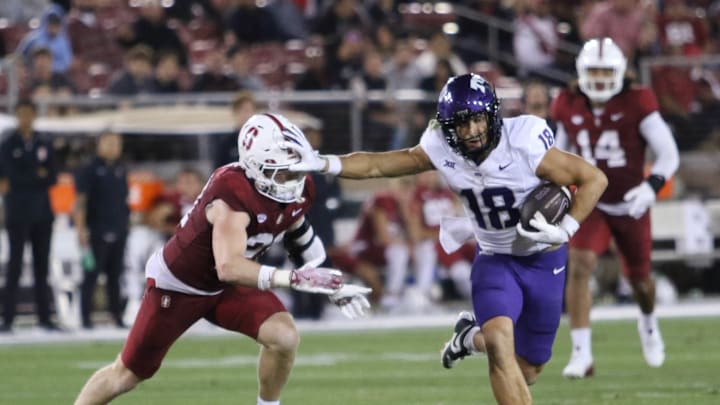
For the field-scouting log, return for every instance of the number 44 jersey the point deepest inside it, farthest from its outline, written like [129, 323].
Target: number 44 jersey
[493, 192]
[608, 138]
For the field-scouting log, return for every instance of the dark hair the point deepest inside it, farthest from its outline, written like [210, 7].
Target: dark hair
[25, 102]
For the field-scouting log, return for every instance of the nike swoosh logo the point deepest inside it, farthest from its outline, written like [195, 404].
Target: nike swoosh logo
[615, 117]
[558, 270]
[501, 167]
[297, 211]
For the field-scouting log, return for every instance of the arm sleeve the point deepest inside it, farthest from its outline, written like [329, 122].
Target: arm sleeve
[302, 244]
[658, 135]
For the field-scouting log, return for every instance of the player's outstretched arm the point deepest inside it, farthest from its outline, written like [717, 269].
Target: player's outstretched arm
[364, 165]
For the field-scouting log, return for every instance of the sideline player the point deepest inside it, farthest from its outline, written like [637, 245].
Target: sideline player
[208, 268]
[493, 164]
[609, 121]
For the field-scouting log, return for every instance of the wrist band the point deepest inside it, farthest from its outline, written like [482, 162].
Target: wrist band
[656, 181]
[334, 164]
[265, 277]
[569, 224]
[281, 278]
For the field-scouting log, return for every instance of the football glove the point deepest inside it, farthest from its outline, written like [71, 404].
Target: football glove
[319, 280]
[351, 300]
[312, 161]
[640, 197]
[547, 232]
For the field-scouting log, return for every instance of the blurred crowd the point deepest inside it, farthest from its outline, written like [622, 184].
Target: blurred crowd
[126, 48]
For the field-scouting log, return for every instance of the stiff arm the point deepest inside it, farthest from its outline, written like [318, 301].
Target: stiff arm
[396, 163]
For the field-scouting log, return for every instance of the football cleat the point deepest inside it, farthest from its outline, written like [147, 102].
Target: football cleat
[652, 344]
[579, 366]
[454, 349]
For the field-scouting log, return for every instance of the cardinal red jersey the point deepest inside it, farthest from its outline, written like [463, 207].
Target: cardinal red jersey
[391, 207]
[611, 140]
[188, 254]
[433, 204]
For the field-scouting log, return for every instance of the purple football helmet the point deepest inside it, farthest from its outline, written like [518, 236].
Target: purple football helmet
[462, 98]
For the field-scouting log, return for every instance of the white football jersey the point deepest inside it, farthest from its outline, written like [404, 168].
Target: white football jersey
[493, 192]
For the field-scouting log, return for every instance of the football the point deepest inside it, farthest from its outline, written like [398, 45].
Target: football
[550, 199]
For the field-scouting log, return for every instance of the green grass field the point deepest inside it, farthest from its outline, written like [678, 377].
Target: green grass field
[379, 367]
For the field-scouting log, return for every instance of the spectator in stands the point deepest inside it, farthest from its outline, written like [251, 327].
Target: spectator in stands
[27, 163]
[101, 217]
[379, 119]
[96, 53]
[340, 18]
[316, 75]
[239, 57]
[44, 82]
[322, 215]
[226, 149]
[214, 77]
[679, 27]
[438, 48]
[536, 101]
[629, 23]
[536, 39]
[384, 38]
[151, 29]
[440, 75]
[21, 11]
[346, 60]
[137, 76]
[402, 74]
[167, 73]
[250, 24]
[385, 12]
[289, 20]
[51, 34]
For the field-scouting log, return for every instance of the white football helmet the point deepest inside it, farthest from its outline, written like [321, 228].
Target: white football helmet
[600, 54]
[265, 159]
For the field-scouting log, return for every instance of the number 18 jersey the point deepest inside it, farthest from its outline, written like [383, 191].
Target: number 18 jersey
[493, 192]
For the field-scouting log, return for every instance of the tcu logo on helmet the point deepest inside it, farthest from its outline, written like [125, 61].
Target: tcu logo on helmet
[477, 82]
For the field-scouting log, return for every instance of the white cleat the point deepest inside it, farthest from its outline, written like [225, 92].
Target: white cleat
[652, 344]
[579, 366]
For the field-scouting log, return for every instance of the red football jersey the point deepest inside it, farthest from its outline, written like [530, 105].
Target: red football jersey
[387, 202]
[188, 254]
[611, 140]
[434, 204]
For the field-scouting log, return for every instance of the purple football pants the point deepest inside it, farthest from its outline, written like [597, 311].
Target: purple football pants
[527, 289]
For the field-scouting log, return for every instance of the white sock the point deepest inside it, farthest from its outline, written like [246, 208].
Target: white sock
[264, 402]
[469, 342]
[582, 341]
[649, 321]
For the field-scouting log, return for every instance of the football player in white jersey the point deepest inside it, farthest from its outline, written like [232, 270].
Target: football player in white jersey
[517, 278]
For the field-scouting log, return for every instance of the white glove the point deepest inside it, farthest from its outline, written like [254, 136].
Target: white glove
[312, 161]
[351, 300]
[640, 197]
[548, 233]
[454, 232]
[312, 279]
